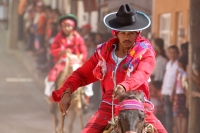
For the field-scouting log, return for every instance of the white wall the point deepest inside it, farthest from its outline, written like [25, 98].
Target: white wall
[67, 6]
[54, 4]
[94, 20]
[83, 17]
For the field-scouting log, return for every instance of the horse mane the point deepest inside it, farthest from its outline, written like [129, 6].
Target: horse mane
[133, 94]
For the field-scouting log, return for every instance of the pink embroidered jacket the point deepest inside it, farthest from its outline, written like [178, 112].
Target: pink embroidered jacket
[132, 72]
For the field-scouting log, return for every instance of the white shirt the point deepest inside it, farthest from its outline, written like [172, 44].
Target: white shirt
[169, 78]
[159, 69]
[117, 59]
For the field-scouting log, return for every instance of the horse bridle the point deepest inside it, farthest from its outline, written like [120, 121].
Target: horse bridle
[129, 104]
[133, 104]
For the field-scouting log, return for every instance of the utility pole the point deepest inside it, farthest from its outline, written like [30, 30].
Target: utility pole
[12, 25]
[194, 57]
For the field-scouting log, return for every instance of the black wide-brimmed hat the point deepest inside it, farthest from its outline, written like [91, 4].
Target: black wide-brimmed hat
[127, 19]
[68, 16]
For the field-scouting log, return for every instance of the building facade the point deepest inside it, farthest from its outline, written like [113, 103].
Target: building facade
[171, 21]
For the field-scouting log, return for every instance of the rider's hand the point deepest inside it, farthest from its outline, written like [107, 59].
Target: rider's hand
[65, 103]
[65, 52]
[119, 89]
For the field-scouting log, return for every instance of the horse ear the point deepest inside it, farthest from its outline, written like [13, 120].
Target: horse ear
[138, 94]
[141, 96]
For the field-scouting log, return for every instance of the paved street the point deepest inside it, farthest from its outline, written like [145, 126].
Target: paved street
[23, 108]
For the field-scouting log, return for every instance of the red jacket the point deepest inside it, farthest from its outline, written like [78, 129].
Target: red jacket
[137, 80]
[76, 45]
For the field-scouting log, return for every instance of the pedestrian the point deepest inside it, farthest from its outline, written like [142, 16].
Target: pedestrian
[168, 84]
[179, 96]
[128, 55]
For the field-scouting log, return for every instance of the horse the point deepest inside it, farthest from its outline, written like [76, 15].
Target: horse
[130, 115]
[72, 63]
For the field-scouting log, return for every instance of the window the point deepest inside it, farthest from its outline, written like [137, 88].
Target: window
[165, 26]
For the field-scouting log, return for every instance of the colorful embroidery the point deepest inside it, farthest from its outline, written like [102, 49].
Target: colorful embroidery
[132, 59]
[135, 55]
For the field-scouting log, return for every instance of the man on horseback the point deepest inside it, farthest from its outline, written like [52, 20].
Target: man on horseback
[123, 64]
[66, 43]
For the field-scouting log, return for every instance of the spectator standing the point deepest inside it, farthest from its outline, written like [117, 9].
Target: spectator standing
[184, 51]
[48, 12]
[85, 31]
[21, 11]
[179, 96]
[157, 78]
[39, 24]
[90, 44]
[168, 84]
[28, 20]
[99, 38]
[184, 48]
[161, 61]
[52, 30]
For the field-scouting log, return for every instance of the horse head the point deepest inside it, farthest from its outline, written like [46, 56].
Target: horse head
[130, 112]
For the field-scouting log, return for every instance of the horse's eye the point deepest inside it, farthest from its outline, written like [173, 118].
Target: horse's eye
[142, 118]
